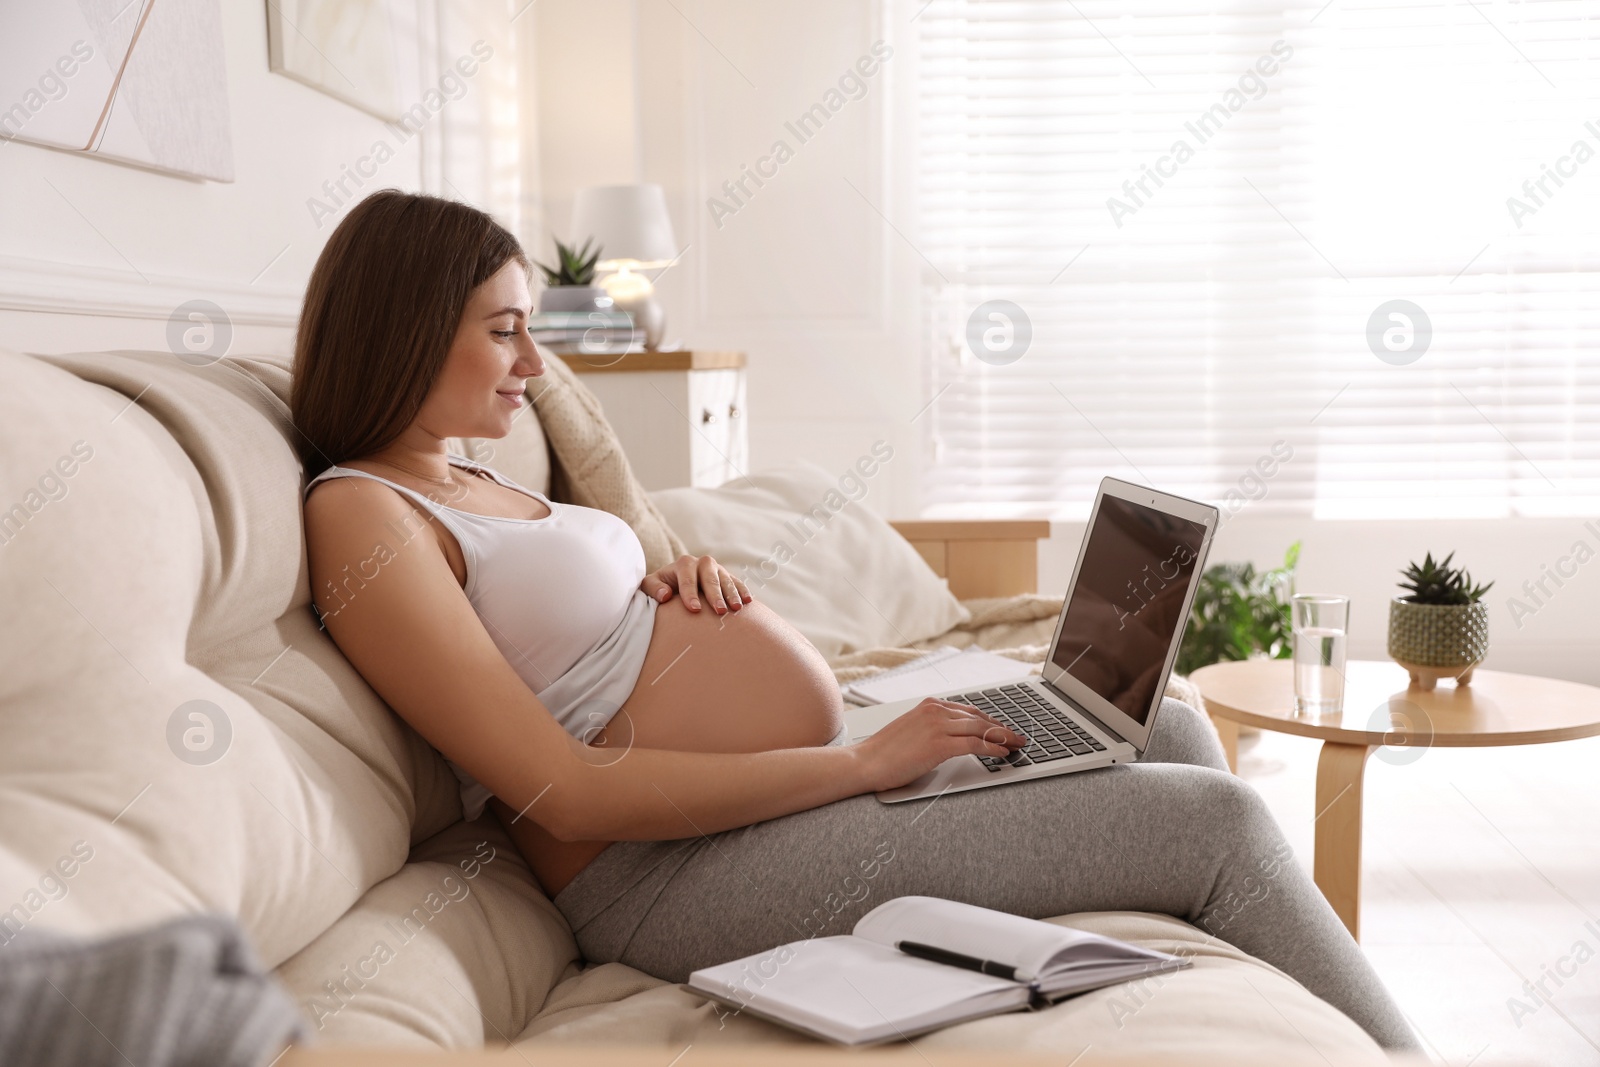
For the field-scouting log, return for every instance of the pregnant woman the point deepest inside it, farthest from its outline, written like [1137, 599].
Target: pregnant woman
[666, 752]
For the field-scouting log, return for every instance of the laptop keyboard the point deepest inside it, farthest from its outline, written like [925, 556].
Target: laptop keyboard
[1050, 735]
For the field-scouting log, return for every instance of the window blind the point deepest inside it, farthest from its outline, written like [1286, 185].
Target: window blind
[1206, 217]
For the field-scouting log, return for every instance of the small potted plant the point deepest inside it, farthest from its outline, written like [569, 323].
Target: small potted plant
[1239, 613]
[1442, 628]
[569, 285]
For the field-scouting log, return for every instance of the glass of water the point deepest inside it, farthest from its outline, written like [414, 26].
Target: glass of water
[1320, 626]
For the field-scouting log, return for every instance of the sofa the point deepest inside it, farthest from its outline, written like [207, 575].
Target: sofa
[176, 726]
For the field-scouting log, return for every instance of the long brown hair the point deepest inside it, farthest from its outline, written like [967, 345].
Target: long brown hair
[381, 310]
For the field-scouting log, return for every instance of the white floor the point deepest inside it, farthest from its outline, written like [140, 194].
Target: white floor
[1481, 871]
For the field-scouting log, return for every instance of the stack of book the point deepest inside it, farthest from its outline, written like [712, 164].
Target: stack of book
[586, 333]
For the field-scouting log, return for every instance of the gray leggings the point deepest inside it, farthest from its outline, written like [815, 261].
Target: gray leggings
[1173, 833]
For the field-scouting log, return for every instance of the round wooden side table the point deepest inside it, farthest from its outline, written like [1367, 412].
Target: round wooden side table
[1382, 708]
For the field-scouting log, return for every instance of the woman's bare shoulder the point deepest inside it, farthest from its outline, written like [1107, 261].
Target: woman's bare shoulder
[341, 503]
[349, 520]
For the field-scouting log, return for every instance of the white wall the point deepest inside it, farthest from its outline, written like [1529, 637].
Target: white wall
[588, 106]
[96, 254]
[805, 276]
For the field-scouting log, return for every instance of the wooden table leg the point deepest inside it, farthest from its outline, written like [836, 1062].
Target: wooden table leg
[1336, 863]
[1228, 732]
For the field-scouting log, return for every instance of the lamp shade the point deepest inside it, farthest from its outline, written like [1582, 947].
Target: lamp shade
[628, 222]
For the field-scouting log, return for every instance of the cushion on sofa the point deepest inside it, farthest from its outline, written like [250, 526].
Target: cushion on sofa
[458, 947]
[833, 569]
[175, 728]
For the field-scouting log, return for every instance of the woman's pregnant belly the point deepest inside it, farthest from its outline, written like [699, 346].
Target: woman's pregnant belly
[745, 681]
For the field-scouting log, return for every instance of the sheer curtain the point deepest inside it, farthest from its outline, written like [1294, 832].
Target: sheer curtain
[1334, 260]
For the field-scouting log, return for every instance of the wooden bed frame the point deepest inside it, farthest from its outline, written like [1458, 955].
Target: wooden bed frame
[980, 557]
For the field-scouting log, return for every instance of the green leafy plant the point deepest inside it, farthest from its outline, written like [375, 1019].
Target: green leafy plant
[572, 267]
[1440, 583]
[1238, 613]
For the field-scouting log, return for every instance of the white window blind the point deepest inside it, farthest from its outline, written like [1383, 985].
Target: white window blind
[1334, 159]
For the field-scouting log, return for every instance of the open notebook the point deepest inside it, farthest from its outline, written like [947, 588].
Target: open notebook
[860, 988]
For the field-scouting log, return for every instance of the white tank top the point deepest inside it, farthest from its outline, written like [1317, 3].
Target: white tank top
[560, 598]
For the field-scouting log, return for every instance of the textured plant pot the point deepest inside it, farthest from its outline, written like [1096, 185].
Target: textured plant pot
[1435, 640]
[574, 298]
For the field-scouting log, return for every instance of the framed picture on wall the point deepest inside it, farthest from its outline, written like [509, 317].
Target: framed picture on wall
[364, 52]
[129, 80]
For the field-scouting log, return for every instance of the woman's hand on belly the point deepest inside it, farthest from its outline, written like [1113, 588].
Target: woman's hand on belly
[743, 681]
[688, 575]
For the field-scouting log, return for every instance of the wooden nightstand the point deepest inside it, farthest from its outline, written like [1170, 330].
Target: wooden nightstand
[679, 415]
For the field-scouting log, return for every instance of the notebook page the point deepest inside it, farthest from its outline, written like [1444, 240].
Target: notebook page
[1026, 944]
[853, 990]
[920, 663]
[1065, 983]
[971, 668]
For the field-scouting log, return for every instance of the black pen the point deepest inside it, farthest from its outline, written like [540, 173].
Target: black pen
[956, 959]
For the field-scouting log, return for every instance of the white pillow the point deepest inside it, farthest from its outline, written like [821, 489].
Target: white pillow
[833, 569]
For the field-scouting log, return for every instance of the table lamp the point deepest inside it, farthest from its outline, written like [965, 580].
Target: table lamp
[631, 226]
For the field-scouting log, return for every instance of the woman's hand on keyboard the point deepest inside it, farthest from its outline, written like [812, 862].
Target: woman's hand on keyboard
[927, 735]
[688, 575]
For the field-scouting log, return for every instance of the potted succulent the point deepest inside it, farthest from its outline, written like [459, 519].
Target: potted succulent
[569, 285]
[1442, 628]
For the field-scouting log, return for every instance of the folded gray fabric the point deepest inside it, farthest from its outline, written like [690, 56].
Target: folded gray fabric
[186, 993]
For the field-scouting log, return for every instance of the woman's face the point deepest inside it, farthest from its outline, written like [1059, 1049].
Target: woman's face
[479, 391]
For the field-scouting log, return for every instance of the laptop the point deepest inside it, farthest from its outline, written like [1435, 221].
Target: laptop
[1095, 701]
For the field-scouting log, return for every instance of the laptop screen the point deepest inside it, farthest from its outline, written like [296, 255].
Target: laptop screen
[1127, 603]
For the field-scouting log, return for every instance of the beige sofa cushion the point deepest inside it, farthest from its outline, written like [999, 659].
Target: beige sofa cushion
[167, 569]
[460, 947]
[1228, 1004]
